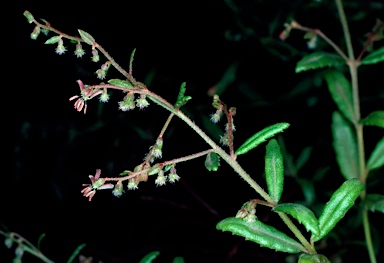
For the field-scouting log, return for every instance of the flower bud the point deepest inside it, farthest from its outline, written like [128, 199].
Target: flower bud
[132, 184]
[95, 55]
[79, 52]
[173, 177]
[35, 33]
[118, 190]
[161, 178]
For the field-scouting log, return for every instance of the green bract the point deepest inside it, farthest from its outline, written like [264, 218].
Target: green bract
[86, 37]
[120, 83]
[181, 100]
[212, 162]
[52, 40]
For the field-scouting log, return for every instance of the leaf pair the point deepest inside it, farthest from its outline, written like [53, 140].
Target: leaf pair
[341, 201]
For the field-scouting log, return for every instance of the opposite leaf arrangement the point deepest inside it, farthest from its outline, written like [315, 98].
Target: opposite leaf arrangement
[348, 144]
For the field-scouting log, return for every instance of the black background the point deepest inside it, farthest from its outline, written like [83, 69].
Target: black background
[45, 164]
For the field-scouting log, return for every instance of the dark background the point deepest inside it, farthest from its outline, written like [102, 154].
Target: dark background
[50, 149]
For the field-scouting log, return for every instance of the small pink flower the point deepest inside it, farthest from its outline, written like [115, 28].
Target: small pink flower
[97, 184]
[87, 93]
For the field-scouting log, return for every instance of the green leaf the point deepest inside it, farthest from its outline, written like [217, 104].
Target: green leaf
[29, 17]
[345, 146]
[212, 162]
[167, 167]
[308, 190]
[319, 60]
[274, 170]
[341, 201]
[317, 258]
[52, 40]
[260, 233]
[376, 160]
[301, 214]
[149, 257]
[178, 260]
[40, 239]
[75, 253]
[375, 57]
[303, 157]
[340, 89]
[226, 80]
[375, 118]
[86, 37]
[261, 136]
[181, 100]
[120, 83]
[374, 202]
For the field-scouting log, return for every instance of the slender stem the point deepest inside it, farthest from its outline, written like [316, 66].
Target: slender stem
[157, 99]
[297, 233]
[353, 65]
[344, 24]
[295, 25]
[27, 246]
[368, 237]
[166, 125]
[178, 160]
[230, 159]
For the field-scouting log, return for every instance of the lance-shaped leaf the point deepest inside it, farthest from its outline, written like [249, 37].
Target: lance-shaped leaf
[345, 146]
[86, 37]
[120, 83]
[212, 162]
[261, 136]
[340, 89]
[341, 201]
[178, 260]
[75, 253]
[181, 100]
[150, 257]
[374, 202]
[52, 40]
[319, 60]
[260, 233]
[376, 160]
[375, 57]
[375, 118]
[274, 170]
[301, 214]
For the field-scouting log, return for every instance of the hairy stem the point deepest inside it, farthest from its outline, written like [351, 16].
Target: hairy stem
[297, 233]
[353, 65]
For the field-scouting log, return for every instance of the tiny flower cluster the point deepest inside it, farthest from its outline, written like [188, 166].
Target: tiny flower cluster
[102, 72]
[79, 51]
[248, 211]
[97, 183]
[162, 179]
[87, 93]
